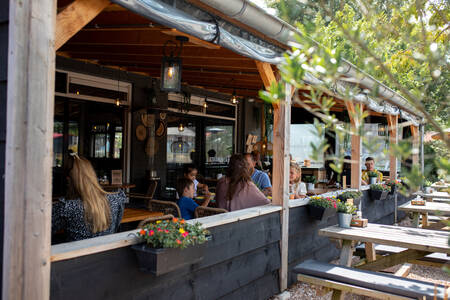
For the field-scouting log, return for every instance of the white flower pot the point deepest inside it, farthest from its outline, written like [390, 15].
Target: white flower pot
[373, 180]
[310, 186]
[344, 220]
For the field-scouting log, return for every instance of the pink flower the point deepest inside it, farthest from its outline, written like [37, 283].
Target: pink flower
[151, 232]
[159, 229]
[185, 234]
[166, 231]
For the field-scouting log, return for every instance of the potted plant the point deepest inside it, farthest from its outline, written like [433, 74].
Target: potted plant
[169, 245]
[355, 195]
[379, 191]
[427, 186]
[373, 177]
[395, 185]
[345, 211]
[321, 207]
[310, 180]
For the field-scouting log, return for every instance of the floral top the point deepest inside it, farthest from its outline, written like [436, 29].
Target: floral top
[365, 176]
[68, 215]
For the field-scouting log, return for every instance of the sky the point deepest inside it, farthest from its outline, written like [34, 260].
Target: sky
[261, 3]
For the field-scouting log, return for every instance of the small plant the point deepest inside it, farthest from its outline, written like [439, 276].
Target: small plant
[309, 179]
[345, 208]
[393, 183]
[427, 183]
[325, 202]
[175, 233]
[380, 187]
[350, 195]
[372, 174]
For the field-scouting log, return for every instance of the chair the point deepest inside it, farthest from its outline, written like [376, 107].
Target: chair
[148, 195]
[202, 211]
[154, 219]
[166, 207]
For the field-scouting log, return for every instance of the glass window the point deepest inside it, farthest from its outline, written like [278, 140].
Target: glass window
[58, 133]
[302, 135]
[219, 143]
[180, 144]
[117, 142]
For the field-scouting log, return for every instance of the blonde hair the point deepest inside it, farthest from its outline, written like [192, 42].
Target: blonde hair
[297, 168]
[83, 184]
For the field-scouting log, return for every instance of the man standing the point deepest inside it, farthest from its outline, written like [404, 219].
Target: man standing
[370, 167]
[259, 178]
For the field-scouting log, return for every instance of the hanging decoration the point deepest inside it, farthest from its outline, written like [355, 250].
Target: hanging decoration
[171, 66]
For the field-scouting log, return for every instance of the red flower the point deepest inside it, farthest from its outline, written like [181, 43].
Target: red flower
[142, 232]
[166, 231]
[178, 242]
[159, 229]
[185, 234]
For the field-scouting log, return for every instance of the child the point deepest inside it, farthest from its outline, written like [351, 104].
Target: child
[185, 188]
[297, 189]
[190, 172]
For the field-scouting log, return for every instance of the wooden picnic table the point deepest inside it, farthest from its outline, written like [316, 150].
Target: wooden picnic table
[433, 208]
[440, 185]
[135, 214]
[435, 196]
[118, 186]
[419, 242]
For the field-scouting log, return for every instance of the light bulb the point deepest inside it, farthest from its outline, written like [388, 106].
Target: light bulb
[234, 99]
[117, 102]
[205, 105]
[181, 127]
[170, 72]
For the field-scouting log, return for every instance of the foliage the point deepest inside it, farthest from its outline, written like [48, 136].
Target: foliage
[325, 202]
[372, 174]
[175, 233]
[350, 195]
[427, 183]
[393, 183]
[309, 179]
[380, 187]
[345, 208]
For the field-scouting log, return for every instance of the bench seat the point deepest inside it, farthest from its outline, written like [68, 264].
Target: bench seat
[396, 287]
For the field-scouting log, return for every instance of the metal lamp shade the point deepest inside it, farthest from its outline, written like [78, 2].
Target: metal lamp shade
[171, 74]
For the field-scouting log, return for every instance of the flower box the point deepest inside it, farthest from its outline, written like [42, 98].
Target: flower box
[378, 195]
[418, 202]
[159, 261]
[359, 222]
[320, 213]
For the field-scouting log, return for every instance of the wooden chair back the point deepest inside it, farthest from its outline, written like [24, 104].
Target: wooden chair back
[154, 219]
[202, 211]
[166, 207]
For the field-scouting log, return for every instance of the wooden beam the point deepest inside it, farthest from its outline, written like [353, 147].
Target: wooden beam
[370, 252]
[74, 17]
[404, 270]
[281, 162]
[192, 39]
[393, 259]
[355, 181]
[29, 148]
[393, 140]
[415, 144]
[266, 73]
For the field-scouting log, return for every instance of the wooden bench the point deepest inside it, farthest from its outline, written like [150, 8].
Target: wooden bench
[372, 284]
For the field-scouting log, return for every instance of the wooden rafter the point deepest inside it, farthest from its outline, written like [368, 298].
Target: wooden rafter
[192, 39]
[266, 73]
[74, 17]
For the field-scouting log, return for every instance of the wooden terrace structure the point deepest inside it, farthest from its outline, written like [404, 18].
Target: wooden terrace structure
[116, 41]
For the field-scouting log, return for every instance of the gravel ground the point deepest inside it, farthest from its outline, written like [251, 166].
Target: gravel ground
[304, 291]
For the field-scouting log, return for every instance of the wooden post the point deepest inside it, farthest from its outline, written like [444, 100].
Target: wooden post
[29, 146]
[74, 17]
[415, 144]
[355, 180]
[281, 161]
[393, 139]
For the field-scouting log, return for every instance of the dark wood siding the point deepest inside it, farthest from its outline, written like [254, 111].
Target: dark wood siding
[4, 17]
[241, 262]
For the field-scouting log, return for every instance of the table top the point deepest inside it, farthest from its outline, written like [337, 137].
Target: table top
[406, 237]
[442, 195]
[438, 208]
[440, 185]
[135, 214]
[320, 191]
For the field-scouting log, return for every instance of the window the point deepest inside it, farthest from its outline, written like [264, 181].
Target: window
[219, 143]
[302, 135]
[180, 144]
[106, 141]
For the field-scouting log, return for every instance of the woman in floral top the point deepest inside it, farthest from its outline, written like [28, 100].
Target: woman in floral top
[87, 211]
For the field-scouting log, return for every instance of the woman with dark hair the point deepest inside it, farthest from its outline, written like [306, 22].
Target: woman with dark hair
[87, 210]
[236, 190]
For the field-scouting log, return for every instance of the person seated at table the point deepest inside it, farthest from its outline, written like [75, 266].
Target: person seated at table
[191, 172]
[370, 167]
[186, 188]
[87, 210]
[297, 188]
[257, 158]
[236, 190]
[260, 178]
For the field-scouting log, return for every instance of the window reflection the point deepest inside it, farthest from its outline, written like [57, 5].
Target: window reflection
[219, 143]
[180, 145]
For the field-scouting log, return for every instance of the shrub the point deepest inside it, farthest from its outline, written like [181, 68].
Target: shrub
[380, 187]
[350, 195]
[309, 179]
[325, 202]
[372, 174]
[345, 208]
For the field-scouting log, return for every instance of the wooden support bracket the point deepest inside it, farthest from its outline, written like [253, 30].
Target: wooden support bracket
[393, 259]
[74, 17]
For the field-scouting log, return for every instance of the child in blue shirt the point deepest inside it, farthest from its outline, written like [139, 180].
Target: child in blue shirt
[185, 188]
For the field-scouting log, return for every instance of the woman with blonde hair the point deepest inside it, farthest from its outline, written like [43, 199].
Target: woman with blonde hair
[297, 188]
[87, 210]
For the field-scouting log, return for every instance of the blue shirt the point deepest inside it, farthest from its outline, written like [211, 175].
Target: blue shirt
[187, 207]
[261, 179]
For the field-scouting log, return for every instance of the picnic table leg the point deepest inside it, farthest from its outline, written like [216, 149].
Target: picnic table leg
[370, 252]
[346, 253]
[425, 220]
[337, 295]
[415, 221]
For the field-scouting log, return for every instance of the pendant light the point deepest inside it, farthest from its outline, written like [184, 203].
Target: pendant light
[171, 66]
[181, 127]
[234, 99]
